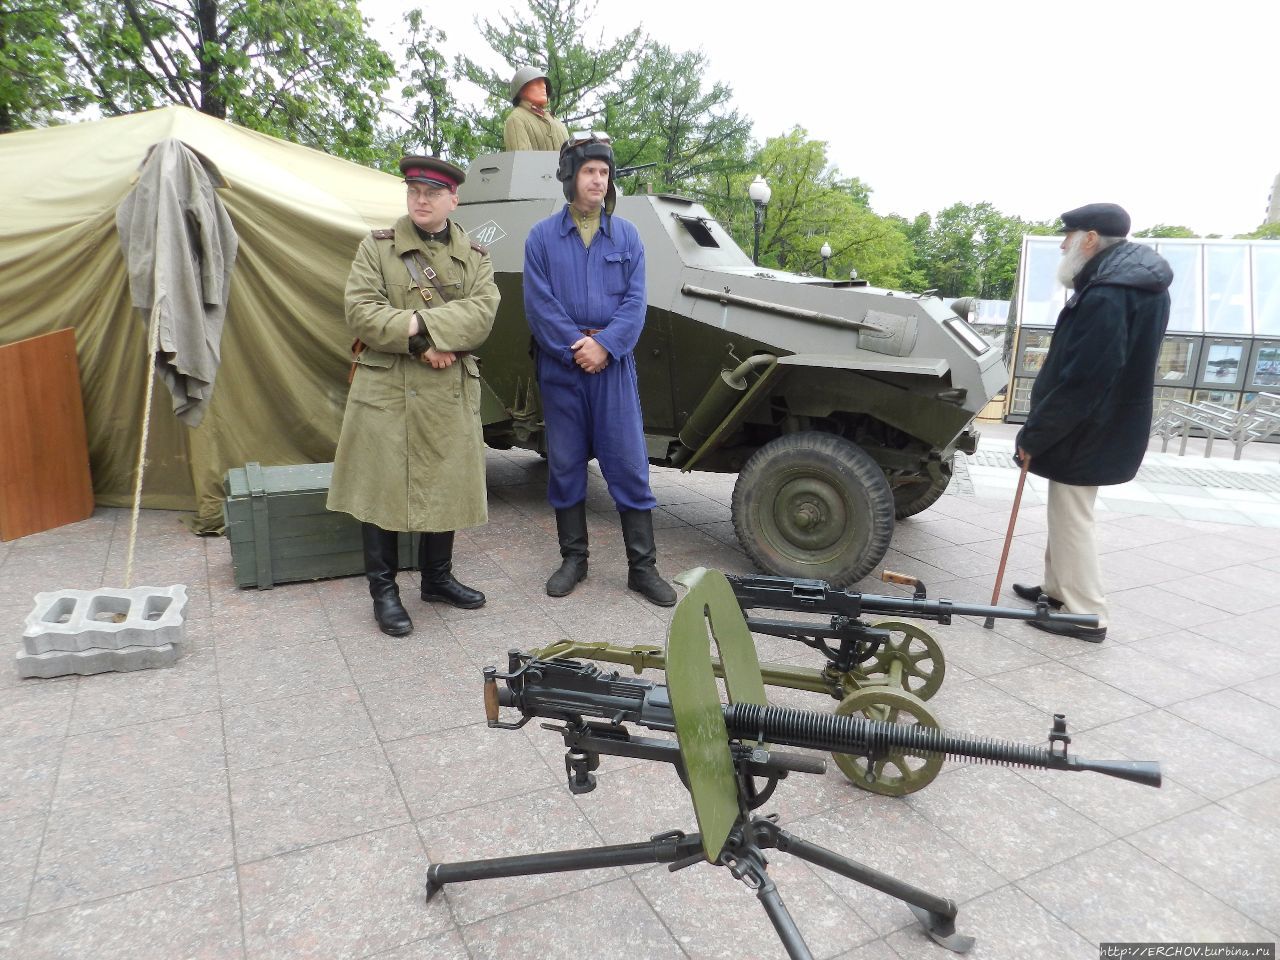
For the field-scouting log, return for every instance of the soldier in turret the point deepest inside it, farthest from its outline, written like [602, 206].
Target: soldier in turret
[530, 126]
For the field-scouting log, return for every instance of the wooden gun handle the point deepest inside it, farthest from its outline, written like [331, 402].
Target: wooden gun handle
[490, 700]
[888, 576]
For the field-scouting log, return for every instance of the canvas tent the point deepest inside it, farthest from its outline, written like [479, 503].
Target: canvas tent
[282, 383]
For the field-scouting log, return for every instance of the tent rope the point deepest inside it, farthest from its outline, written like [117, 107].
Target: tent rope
[153, 345]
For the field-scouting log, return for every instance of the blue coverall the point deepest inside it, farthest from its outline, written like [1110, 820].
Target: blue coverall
[568, 290]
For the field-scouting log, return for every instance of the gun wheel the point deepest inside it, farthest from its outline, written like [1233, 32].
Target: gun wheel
[915, 652]
[897, 773]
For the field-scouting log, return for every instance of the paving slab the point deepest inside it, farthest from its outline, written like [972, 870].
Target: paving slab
[280, 791]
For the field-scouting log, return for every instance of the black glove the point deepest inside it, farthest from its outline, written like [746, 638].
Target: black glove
[419, 344]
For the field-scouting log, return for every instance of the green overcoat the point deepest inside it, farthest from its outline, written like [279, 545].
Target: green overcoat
[525, 130]
[411, 451]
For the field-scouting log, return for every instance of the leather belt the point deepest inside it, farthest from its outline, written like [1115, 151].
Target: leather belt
[592, 331]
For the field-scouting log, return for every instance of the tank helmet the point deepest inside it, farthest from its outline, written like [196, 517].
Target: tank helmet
[577, 150]
[523, 76]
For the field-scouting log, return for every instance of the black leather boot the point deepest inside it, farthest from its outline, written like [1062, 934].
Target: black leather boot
[435, 559]
[380, 565]
[571, 528]
[642, 558]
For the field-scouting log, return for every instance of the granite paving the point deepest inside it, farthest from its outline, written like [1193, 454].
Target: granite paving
[280, 791]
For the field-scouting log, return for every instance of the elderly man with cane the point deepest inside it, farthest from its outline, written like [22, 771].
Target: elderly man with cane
[1091, 404]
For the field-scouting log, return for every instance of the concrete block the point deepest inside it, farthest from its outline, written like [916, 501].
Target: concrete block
[58, 663]
[105, 619]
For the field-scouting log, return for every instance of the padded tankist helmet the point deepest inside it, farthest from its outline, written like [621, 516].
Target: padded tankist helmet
[523, 76]
[576, 151]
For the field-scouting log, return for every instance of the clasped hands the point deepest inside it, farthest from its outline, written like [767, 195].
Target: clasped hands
[439, 359]
[589, 355]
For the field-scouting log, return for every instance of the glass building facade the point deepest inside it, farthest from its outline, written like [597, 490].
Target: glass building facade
[1223, 341]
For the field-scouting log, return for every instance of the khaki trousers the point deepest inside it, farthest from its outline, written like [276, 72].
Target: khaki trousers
[1071, 572]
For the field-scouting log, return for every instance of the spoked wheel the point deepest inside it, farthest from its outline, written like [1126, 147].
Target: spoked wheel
[915, 652]
[898, 773]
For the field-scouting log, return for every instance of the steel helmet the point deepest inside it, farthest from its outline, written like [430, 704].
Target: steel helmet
[523, 76]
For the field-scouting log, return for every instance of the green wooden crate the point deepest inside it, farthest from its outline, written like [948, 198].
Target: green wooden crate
[280, 531]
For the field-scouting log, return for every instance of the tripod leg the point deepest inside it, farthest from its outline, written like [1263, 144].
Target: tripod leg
[936, 914]
[663, 848]
[780, 917]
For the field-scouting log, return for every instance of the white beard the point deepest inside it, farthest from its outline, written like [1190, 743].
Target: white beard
[1073, 260]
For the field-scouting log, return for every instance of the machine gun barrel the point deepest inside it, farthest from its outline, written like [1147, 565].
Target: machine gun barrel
[633, 169]
[817, 596]
[569, 690]
[839, 734]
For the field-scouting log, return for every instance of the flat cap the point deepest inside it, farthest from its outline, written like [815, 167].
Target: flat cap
[1108, 219]
[432, 170]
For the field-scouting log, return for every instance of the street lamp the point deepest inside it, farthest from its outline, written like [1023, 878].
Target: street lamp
[759, 193]
[825, 254]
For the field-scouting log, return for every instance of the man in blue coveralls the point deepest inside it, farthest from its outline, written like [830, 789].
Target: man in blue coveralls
[584, 298]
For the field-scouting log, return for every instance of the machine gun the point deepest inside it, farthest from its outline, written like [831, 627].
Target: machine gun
[720, 751]
[569, 691]
[880, 670]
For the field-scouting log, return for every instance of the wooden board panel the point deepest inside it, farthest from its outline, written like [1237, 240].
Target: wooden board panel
[44, 463]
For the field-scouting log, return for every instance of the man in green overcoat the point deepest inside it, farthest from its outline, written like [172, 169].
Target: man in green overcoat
[530, 126]
[420, 298]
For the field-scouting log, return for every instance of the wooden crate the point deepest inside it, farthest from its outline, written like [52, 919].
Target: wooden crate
[280, 531]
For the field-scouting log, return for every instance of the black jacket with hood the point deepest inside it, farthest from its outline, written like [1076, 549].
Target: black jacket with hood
[1090, 416]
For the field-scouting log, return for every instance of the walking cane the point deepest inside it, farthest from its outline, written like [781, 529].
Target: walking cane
[990, 622]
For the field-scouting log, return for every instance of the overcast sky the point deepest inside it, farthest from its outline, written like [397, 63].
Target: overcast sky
[1171, 108]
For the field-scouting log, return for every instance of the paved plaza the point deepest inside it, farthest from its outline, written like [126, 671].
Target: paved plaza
[280, 791]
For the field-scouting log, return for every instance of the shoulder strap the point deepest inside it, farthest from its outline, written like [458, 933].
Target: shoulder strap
[422, 277]
[479, 248]
[387, 233]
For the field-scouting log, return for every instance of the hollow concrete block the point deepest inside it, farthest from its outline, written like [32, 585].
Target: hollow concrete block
[58, 663]
[93, 631]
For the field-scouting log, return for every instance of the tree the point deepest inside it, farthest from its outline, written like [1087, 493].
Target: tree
[33, 76]
[437, 124]
[664, 116]
[303, 70]
[1165, 231]
[1267, 231]
[582, 74]
[971, 250]
[811, 205]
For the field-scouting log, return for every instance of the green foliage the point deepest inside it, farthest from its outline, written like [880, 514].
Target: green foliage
[811, 204]
[435, 123]
[33, 78]
[1165, 231]
[303, 70]
[583, 75]
[1267, 231]
[664, 116]
[971, 250]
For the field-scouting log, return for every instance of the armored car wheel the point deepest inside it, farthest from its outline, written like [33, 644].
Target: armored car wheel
[918, 657]
[897, 773]
[813, 505]
[916, 495]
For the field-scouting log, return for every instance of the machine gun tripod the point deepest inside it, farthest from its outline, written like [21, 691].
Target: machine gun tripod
[880, 670]
[720, 752]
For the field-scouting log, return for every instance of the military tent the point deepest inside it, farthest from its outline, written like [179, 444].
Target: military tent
[282, 383]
